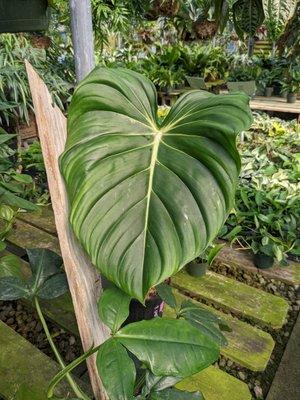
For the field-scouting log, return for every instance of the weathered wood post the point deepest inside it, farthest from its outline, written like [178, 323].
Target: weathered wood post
[84, 281]
[82, 37]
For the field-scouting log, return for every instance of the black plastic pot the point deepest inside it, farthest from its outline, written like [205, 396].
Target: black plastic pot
[137, 312]
[196, 269]
[269, 91]
[262, 261]
[24, 15]
[291, 98]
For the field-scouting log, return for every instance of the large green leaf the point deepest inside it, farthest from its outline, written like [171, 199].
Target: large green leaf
[278, 13]
[169, 347]
[117, 370]
[147, 198]
[248, 15]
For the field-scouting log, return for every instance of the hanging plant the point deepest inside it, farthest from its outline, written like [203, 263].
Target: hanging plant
[278, 13]
[163, 8]
[248, 15]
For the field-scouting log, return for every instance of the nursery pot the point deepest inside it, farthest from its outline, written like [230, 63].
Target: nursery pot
[137, 311]
[263, 261]
[291, 97]
[24, 15]
[196, 269]
[269, 91]
[248, 87]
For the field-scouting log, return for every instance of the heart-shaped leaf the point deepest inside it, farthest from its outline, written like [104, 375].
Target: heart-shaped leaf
[166, 293]
[55, 286]
[113, 308]
[169, 347]
[117, 370]
[146, 198]
[44, 263]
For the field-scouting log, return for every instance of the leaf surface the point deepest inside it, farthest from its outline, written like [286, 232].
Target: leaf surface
[116, 369]
[113, 307]
[146, 198]
[169, 347]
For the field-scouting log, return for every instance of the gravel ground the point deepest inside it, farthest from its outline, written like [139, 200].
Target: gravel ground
[26, 323]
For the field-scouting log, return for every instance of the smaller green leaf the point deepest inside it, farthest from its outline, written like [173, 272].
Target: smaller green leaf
[113, 307]
[166, 293]
[15, 201]
[214, 252]
[204, 320]
[22, 178]
[12, 288]
[10, 265]
[116, 370]
[5, 137]
[169, 347]
[2, 245]
[175, 394]
[6, 212]
[55, 286]
[233, 233]
[44, 263]
[156, 383]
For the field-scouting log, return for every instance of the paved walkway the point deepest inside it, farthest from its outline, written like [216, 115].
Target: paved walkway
[286, 385]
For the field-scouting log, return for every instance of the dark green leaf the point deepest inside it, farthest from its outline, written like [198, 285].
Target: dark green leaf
[166, 293]
[22, 178]
[113, 307]
[204, 320]
[156, 383]
[43, 263]
[12, 200]
[248, 15]
[169, 347]
[12, 288]
[116, 370]
[55, 286]
[135, 210]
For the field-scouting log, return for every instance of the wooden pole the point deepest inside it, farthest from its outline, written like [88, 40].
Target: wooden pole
[82, 35]
[84, 281]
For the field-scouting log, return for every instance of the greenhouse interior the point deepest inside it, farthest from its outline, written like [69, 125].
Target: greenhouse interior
[149, 199]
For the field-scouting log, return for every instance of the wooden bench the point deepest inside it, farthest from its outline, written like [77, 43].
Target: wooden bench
[249, 346]
[276, 104]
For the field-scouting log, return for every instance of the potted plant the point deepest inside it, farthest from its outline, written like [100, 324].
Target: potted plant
[243, 79]
[24, 16]
[200, 266]
[292, 86]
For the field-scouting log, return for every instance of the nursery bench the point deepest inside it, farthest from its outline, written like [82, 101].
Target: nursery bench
[277, 104]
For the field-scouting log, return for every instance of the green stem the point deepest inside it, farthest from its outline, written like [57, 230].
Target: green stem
[78, 392]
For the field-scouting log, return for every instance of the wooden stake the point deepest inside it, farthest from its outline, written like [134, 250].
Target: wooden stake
[84, 282]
